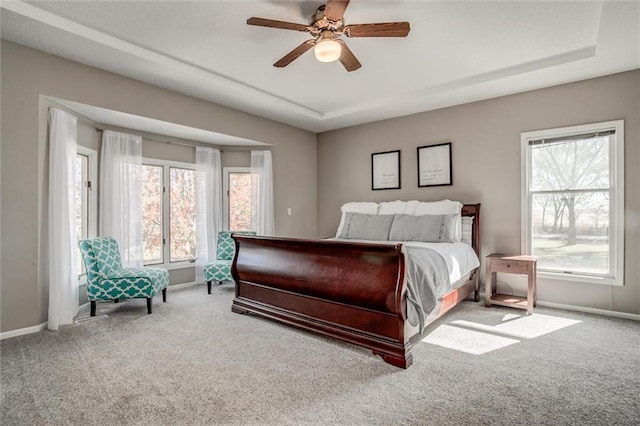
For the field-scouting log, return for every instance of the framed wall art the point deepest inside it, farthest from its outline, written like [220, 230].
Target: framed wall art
[434, 165]
[385, 170]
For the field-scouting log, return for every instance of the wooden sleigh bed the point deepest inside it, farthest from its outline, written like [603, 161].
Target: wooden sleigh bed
[355, 292]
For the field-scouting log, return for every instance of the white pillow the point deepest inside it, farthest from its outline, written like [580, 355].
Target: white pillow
[442, 207]
[356, 207]
[398, 207]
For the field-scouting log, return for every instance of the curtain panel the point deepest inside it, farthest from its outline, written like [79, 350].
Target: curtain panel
[208, 206]
[262, 210]
[63, 278]
[121, 194]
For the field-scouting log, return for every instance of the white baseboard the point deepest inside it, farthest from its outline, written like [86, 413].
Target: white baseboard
[23, 331]
[181, 286]
[587, 310]
[595, 311]
[43, 326]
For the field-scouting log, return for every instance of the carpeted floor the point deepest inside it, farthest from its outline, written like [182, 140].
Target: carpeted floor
[194, 362]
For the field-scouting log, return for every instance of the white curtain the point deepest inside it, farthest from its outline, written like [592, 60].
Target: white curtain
[121, 194]
[262, 215]
[208, 206]
[63, 271]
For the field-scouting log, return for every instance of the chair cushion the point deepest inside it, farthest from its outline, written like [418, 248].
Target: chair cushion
[219, 270]
[132, 283]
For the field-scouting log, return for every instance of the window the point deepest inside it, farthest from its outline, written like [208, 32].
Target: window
[86, 200]
[573, 201]
[182, 216]
[169, 212]
[237, 204]
[152, 214]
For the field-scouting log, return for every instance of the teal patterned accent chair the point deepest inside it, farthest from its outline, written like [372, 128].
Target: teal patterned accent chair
[108, 280]
[220, 270]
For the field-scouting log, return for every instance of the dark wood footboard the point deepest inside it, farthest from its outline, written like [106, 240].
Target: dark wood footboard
[350, 291]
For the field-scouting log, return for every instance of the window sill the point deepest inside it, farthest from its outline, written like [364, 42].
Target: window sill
[172, 266]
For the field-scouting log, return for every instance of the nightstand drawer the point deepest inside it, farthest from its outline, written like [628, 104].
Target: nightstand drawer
[509, 266]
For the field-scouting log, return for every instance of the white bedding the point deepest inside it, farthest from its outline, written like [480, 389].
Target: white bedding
[459, 257]
[431, 271]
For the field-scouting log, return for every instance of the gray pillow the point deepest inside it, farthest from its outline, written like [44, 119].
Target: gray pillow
[360, 226]
[427, 228]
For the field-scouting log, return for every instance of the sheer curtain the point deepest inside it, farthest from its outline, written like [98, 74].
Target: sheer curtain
[63, 278]
[208, 206]
[121, 194]
[262, 215]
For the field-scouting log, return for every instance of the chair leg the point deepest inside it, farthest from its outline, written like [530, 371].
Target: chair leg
[93, 308]
[209, 287]
[149, 301]
[164, 294]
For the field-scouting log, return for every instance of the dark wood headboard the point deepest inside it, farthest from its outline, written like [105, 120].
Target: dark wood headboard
[474, 211]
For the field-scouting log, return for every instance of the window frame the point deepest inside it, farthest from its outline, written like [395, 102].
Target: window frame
[91, 198]
[225, 187]
[616, 205]
[166, 211]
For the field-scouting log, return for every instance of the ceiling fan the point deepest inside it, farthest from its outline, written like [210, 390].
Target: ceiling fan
[327, 25]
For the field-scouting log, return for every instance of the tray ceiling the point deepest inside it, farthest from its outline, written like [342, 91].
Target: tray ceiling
[456, 52]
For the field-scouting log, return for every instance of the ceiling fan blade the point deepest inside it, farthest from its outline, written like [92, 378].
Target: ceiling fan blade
[262, 22]
[295, 53]
[334, 10]
[380, 29]
[347, 58]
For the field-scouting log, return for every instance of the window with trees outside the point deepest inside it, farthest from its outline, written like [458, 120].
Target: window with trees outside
[573, 201]
[169, 212]
[86, 201]
[237, 203]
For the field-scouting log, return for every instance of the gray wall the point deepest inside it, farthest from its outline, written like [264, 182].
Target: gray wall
[26, 75]
[486, 168]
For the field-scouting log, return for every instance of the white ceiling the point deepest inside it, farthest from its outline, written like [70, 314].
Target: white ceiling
[456, 52]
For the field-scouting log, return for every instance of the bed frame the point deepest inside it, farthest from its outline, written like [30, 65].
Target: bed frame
[354, 292]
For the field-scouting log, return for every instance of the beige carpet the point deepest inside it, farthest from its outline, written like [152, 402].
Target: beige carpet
[194, 362]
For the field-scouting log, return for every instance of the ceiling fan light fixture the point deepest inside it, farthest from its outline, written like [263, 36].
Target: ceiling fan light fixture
[327, 50]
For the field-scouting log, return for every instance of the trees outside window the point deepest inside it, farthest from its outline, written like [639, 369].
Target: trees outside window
[237, 207]
[573, 201]
[182, 214]
[168, 199]
[152, 216]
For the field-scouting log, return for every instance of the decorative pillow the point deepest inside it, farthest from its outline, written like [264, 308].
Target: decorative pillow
[442, 207]
[362, 226]
[356, 207]
[427, 228]
[467, 226]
